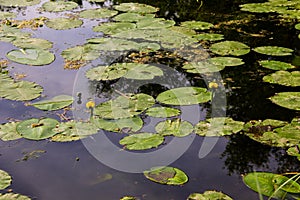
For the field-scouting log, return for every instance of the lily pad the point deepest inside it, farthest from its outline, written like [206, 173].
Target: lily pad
[19, 3]
[9, 34]
[83, 53]
[119, 125]
[114, 27]
[275, 65]
[58, 6]
[209, 195]
[132, 17]
[262, 7]
[63, 23]
[268, 183]
[111, 72]
[197, 25]
[184, 96]
[229, 127]
[56, 103]
[297, 26]
[136, 8]
[7, 15]
[13, 196]
[154, 23]
[37, 129]
[284, 78]
[230, 48]
[19, 90]
[98, 13]
[125, 106]
[128, 198]
[175, 127]
[294, 151]
[162, 112]
[166, 175]
[142, 141]
[5, 179]
[33, 43]
[258, 127]
[290, 100]
[8, 131]
[142, 71]
[274, 50]
[31, 56]
[226, 61]
[202, 67]
[209, 36]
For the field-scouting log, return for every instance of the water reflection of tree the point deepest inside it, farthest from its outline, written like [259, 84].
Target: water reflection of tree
[243, 155]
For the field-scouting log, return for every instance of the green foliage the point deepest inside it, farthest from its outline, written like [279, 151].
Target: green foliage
[5, 180]
[162, 112]
[132, 17]
[175, 127]
[13, 196]
[114, 27]
[7, 15]
[31, 56]
[290, 100]
[8, 131]
[63, 23]
[209, 36]
[197, 25]
[56, 103]
[233, 48]
[136, 8]
[275, 65]
[142, 141]
[98, 13]
[32, 43]
[58, 6]
[203, 67]
[274, 50]
[19, 3]
[119, 125]
[284, 78]
[226, 61]
[209, 195]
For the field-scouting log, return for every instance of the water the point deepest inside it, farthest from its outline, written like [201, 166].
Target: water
[69, 171]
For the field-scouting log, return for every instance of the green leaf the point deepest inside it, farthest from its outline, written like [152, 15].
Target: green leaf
[275, 65]
[9, 34]
[136, 8]
[97, 13]
[226, 61]
[174, 127]
[294, 151]
[13, 196]
[114, 27]
[202, 67]
[37, 129]
[33, 43]
[209, 36]
[119, 125]
[63, 23]
[31, 56]
[125, 106]
[284, 78]
[297, 26]
[262, 7]
[5, 179]
[274, 50]
[166, 175]
[142, 71]
[268, 183]
[162, 112]
[230, 48]
[290, 100]
[196, 25]
[19, 3]
[20, 90]
[58, 6]
[184, 96]
[7, 15]
[84, 53]
[154, 23]
[128, 198]
[142, 141]
[209, 195]
[8, 131]
[56, 103]
[230, 126]
[132, 17]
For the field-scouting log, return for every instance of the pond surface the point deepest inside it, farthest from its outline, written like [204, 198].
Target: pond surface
[69, 170]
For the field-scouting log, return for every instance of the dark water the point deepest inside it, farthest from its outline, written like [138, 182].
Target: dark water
[69, 171]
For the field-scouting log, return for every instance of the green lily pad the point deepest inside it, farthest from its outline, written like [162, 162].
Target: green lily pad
[183, 30]
[13, 196]
[290, 100]
[136, 8]
[284, 78]
[58, 6]
[258, 127]
[56, 103]
[202, 67]
[230, 48]
[297, 26]
[184, 96]
[142, 71]
[262, 7]
[72, 131]
[229, 127]
[111, 72]
[154, 23]
[8, 131]
[9, 34]
[84, 53]
[114, 27]
[5, 179]
[63, 23]
[226, 61]
[19, 3]
[142, 141]
[268, 183]
[294, 151]
[124, 106]
[37, 129]
[19, 90]
[209, 195]
[197, 25]
[274, 50]
[128, 198]
[175, 127]
[275, 65]
[7, 15]
[119, 125]
[166, 175]
[31, 56]
[33, 43]
[132, 17]
[162, 112]
[98, 13]
[209, 36]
